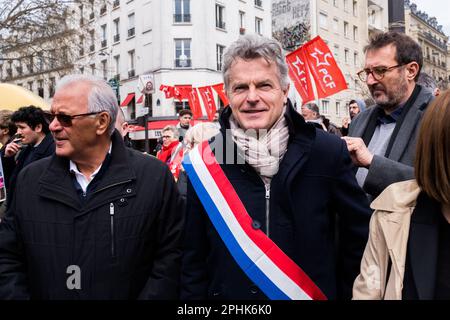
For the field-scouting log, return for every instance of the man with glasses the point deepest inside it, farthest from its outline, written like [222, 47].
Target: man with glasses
[382, 139]
[95, 221]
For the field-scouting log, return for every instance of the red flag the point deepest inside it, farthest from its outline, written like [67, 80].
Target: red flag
[326, 73]
[182, 92]
[194, 103]
[299, 73]
[208, 101]
[220, 91]
[168, 91]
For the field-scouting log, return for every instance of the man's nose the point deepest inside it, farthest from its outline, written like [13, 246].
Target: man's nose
[252, 95]
[371, 79]
[54, 125]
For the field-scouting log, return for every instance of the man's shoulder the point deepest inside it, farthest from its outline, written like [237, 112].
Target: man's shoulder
[36, 168]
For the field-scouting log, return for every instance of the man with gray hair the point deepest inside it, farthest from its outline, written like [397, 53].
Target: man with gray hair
[260, 224]
[96, 220]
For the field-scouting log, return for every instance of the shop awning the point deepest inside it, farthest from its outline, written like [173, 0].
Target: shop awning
[127, 100]
[140, 100]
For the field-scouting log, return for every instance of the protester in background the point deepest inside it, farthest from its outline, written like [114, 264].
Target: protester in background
[311, 113]
[184, 117]
[408, 256]
[171, 152]
[382, 139]
[123, 127]
[426, 81]
[34, 143]
[355, 107]
[7, 128]
[284, 180]
[200, 132]
[96, 220]
[7, 131]
[330, 127]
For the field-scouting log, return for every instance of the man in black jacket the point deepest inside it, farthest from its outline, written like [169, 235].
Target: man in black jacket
[291, 179]
[33, 143]
[95, 221]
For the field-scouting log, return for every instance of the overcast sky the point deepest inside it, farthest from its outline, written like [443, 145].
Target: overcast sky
[436, 8]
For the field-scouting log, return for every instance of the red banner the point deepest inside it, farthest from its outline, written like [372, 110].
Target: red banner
[194, 103]
[327, 76]
[182, 92]
[299, 73]
[168, 91]
[208, 101]
[220, 91]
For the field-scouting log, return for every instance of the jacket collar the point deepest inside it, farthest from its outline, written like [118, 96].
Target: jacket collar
[397, 196]
[56, 182]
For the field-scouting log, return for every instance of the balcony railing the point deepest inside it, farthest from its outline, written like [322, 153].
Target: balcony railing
[183, 63]
[130, 32]
[116, 38]
[220, 24]
[180, 18]
[104, 43]
[131, 73]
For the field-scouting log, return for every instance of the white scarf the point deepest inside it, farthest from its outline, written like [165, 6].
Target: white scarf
[265, 153]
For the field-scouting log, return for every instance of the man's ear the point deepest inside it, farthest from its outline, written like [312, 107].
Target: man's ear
[285, 93]
[38, 128]
[412, 70]
[103, 121]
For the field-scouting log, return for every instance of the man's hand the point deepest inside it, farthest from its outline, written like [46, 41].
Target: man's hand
[346, 123]
[361, 156]
[11, 149]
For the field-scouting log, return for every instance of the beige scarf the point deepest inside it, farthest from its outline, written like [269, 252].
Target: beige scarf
[263, 149]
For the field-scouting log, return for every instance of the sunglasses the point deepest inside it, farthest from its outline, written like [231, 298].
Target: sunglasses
[65, 119]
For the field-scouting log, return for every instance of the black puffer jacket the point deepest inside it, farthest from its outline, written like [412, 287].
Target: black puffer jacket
[124, 238]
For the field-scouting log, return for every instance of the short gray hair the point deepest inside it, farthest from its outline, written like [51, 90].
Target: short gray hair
[100, 98]
[251, 47]
[172, 128]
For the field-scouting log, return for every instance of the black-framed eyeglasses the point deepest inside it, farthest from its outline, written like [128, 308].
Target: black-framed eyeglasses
[66, 119]
[377, 72]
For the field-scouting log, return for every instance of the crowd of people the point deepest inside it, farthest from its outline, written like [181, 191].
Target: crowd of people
[266, 202]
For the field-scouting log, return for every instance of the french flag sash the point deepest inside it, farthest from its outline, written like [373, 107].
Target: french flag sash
[260, 258]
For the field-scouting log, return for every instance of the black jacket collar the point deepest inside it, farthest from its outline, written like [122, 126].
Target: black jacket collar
[56, 182]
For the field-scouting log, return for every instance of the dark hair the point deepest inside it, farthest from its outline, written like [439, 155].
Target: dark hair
[313, 107]
[184, 112]
[32, 116]
[432, 165]
[352, 102]
[407, 49]
[6, 123]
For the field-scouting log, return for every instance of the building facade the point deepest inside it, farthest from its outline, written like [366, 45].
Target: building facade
[432, 39]
[180, 42]
[344, 26]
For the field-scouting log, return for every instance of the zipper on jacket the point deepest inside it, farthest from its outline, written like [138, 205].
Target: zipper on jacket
[111, 215]
[267, 186]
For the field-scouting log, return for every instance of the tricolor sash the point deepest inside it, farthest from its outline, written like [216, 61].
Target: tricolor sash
[260, 258]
